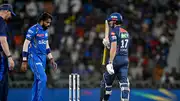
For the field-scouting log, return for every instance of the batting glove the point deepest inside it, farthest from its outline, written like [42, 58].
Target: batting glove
[106, 43]
[109, 68]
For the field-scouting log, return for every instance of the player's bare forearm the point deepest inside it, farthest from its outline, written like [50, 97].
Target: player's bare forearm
[5, 46]
[113, 51]
[49, 55]
[25, 47]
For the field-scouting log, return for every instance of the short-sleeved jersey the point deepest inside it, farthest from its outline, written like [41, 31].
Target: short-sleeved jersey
[38, 37]
[3, 29]
[3, 60]
[121, 36]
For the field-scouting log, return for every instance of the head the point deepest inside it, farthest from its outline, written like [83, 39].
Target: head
[45, 20]
[115, 19]
[6, 11]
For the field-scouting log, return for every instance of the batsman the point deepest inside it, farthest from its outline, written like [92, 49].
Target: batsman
[35, 49]
[117, 41]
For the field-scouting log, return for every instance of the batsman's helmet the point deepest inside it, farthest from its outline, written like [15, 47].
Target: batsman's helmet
[116, 17]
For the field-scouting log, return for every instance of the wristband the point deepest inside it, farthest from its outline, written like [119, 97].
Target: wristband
[24, 60]
[9, 56]
[48, 51]
[25, 54]
[51, 59]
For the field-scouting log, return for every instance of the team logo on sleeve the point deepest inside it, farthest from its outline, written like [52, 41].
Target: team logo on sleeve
[113, 34]
[30, 31]
[114, 37]
[28, 35]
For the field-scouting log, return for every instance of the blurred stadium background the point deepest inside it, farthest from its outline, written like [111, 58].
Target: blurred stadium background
[76, 40]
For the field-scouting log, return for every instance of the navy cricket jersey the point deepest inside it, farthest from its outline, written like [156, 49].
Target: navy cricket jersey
[3, 60]
[38, 37]
[121, 36]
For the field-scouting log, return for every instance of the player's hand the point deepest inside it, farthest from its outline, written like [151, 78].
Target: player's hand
[24, 66]
[53, 63]
[106, 42]
[11, 63]
[109, 68]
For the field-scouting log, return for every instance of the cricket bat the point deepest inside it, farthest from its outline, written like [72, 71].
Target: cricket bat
[105, 48]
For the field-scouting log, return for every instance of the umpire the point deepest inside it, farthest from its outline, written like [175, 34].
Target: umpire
[6, 61]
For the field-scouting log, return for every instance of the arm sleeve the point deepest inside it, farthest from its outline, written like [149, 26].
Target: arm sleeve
[112, 36]
[3, 29]
[31, 33]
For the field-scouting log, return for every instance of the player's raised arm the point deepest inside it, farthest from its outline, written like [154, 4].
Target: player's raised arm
[49, 55]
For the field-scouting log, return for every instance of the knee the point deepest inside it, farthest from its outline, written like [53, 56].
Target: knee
[44, 78]
[125, 91]
[124, 84]
[124, 87]
[108, 90]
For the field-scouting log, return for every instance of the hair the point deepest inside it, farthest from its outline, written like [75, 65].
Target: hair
[44, 16]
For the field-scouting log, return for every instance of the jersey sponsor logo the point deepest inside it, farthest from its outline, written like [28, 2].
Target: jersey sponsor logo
[42, 42]
[40, 35]
[114, 37]
[124, 50]
[124, 35]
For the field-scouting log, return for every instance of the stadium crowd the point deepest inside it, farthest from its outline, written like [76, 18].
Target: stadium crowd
[76, 39]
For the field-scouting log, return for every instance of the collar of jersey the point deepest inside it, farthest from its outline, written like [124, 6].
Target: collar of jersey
[39, 26]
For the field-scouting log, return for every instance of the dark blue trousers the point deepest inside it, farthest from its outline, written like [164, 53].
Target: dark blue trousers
[3, 79]
[4, 88]
[121, 72]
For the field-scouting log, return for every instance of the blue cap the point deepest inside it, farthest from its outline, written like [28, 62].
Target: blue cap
[7, 7]
[115, 17]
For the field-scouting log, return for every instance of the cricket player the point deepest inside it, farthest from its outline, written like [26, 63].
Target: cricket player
[35, 49]
[118, 42]
[6, 61]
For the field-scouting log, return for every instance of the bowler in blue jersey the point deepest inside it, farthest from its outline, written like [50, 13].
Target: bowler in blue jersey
[35, 49]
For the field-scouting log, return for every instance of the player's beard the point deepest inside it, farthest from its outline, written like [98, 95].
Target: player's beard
[45, 27]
